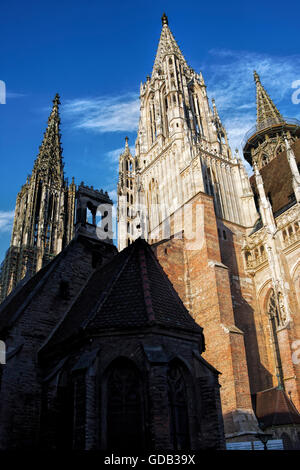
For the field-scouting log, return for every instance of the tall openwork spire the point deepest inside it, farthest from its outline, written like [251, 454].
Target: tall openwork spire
[167, 45]
[50, 151]
[44, 212]
[267, 113]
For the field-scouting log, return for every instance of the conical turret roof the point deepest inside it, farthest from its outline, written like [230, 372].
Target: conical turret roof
[266, 111]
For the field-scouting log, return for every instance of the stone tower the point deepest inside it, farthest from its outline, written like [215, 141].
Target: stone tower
[228, 243]
[186, 194]
[272, 248]
[44, 213]
[181, 150]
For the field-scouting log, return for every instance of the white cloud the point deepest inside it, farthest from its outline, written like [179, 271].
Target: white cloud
[114, 155]
[113, 195]
[6, 220]
[104, 114]
[229, 79]
[10, 94]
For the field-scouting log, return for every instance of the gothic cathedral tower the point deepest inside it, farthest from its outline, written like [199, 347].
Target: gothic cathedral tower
[44, 213]
[181, 150]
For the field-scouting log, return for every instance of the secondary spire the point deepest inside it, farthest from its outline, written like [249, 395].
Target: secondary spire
[50, 151]
[267, 113]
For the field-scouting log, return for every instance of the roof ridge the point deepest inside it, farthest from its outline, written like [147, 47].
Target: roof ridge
[48, 270]
[105, 294]
[170, 285]
[60, 322]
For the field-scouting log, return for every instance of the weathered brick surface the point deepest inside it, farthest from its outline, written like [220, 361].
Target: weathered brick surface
[20, 394]
[204, 282]
[57, 398]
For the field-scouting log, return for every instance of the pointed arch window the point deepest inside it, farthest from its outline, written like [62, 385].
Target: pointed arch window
[124, 407]
[264, 159]
[279, 149]
[177, 394]
[37, 212]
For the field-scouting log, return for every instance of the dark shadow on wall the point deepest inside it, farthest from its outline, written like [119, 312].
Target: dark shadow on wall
[259, 377]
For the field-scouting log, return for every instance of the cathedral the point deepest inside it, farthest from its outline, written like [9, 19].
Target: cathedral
[229, 244]
[190, 331]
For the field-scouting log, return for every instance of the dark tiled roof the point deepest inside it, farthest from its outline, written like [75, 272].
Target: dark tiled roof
[277, 178]
[132, 290]
[18, 298]
[274, 408]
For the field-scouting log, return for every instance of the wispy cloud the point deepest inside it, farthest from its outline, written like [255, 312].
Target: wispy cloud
[229, 78]
[113, 195]
[6, 221]
[11, 94]
[104, 113]
[114, 155]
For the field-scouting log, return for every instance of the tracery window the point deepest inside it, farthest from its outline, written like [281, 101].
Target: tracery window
[124, 407]
[264, 159]
[179, 423]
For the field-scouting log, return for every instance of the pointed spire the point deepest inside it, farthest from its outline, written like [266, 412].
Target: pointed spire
[167, 45]
[50, 151]
[126, 149]
[216, 114]
[267, 113]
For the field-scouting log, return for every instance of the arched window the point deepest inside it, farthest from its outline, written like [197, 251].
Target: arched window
[287, 443]
[37, 212]
[210, 182]
[264, 159]
[124, 407]
[65, 405]
[179, 422]
[279, 149]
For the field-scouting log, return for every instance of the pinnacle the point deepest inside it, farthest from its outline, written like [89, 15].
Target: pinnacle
[56, 98]
[256, 76]
[164, 19]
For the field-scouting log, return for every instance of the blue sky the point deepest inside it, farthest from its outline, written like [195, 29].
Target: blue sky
[95, 54]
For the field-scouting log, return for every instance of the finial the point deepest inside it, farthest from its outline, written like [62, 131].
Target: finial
[126, 141]
[56, 99]
[164, 19]
[256, 76]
